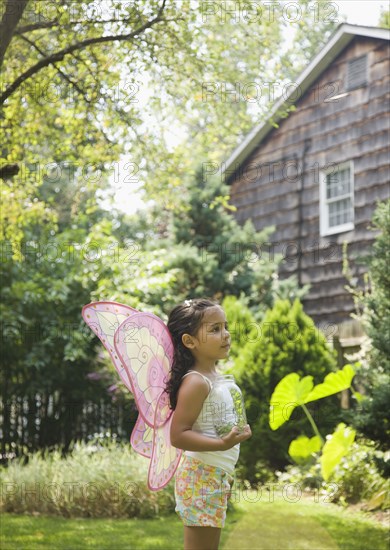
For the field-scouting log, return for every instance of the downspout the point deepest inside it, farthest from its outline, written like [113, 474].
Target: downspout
[307, 145]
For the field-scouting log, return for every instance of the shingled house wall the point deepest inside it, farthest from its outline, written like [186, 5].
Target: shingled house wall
[278, 184]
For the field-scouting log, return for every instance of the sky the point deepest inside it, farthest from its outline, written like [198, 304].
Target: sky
[358, 12]
[362, 12]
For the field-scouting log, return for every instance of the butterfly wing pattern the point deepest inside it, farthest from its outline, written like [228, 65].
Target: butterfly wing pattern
[141, 349]
[144, 345]
[104, 318]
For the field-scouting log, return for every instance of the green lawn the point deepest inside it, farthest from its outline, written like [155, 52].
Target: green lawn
[254, 525]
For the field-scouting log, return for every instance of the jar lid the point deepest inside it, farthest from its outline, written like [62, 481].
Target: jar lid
[224, 378]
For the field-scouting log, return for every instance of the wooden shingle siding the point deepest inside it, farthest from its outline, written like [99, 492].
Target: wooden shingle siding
[353, 129]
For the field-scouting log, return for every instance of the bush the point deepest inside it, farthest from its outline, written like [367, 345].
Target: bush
[101, 478]
[357, 478]
[242, 325]
[286, 341]
[261, 474]
[379, 301]
[373, 418]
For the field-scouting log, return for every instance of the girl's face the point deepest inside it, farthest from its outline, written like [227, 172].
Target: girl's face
[212, 340]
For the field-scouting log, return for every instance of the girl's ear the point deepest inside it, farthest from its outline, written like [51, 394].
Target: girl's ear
[188, 341]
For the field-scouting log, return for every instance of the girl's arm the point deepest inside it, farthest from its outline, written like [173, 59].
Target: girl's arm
[192, 393]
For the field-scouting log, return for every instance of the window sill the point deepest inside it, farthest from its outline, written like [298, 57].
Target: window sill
[337, 229]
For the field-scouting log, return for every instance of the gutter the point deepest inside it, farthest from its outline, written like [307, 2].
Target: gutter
[306, 148]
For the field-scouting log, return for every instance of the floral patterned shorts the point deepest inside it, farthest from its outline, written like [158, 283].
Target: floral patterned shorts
[202, 493]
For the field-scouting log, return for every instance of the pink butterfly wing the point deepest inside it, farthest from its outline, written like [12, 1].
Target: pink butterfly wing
[104, 318]
[165, 457]
[142, 438]
[145, 348]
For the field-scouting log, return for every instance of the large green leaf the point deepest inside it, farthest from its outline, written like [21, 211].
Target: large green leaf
[334, 382]
[302, 448]
[336, 446]
[288, 394]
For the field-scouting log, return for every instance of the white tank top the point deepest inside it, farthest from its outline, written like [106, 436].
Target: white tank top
[214, 413]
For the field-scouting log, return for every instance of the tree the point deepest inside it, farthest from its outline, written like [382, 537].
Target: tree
[232, 250]
[370, 416]
[72, 79]
[48, 355]
[86, 67]
[384, 19]
[378, 302]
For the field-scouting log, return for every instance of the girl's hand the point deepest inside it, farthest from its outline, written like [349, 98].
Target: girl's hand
[236, 436]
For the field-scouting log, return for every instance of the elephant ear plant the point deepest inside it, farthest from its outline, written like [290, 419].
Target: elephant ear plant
[292, 392]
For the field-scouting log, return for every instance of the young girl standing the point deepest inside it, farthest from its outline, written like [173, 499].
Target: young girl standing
[205, 475]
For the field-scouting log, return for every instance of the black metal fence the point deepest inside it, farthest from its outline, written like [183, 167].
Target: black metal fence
[47, 420]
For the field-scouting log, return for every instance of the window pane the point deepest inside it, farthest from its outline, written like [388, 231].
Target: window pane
[338, 184]
[340, 212]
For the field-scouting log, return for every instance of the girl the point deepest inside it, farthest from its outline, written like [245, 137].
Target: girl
[204, 477]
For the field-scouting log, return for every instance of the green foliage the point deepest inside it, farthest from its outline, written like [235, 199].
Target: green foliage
[302, 448]
[101, 478]
[49, 272]
[384, 20]
[356, 478]
[337, 445]
[286, 341]
[59, 248]
[338, 458]
[200, 252]
[288, 394]
[242, 325]
[292, 392]
[371, 414]
[86, 67]
[224, 247]
[378, 302]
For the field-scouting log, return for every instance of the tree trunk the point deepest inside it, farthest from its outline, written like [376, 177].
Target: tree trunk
[12, 14]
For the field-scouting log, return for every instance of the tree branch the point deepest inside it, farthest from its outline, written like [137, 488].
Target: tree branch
[12, 14]
[59, 56]
[61, 72]
[40, 25]
[8, 170]
[55, 23]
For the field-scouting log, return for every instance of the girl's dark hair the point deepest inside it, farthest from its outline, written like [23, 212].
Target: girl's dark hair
[185, 318]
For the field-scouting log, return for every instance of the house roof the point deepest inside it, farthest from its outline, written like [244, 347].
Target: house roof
[342, 36]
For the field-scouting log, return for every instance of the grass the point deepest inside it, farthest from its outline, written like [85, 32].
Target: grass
[254, 525]
[302, 525]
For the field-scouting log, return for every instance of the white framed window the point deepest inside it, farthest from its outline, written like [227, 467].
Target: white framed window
[337, 199]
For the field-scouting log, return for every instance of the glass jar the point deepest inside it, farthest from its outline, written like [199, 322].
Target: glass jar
[231, 410]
